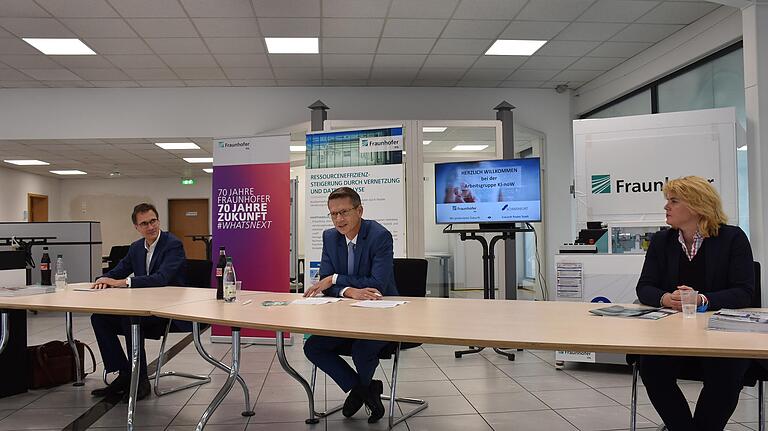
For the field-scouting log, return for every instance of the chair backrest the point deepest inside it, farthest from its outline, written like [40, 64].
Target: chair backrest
[411, 277]
[117, 253]
[756, 294]
[197, 272]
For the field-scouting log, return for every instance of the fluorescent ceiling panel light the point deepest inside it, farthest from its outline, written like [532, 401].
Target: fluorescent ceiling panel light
[208, 170]
[469, 148]
[68, 172]
[198, 159]
[515, 47]
[298, 148]
[741, 148]
[27, 162]
[50, 46]
[433, 129]
[427, 142]
[177, 145]
[292, 45]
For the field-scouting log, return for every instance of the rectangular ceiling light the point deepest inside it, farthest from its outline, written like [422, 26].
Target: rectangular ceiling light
[49, 46]
[68, 172]
[427, 142]
[298, 148]
[292, 45]
[515, 47]
[469, 148]
[208, 170]
[27, 162]
[198, 159]
[433, 129]
[741, 148]
[177, 145]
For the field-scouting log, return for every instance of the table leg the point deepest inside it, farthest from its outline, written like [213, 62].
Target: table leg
[218, 364]
[4, 335]
[233, 373]
[280, 342]
[135, 352]
[71, 341]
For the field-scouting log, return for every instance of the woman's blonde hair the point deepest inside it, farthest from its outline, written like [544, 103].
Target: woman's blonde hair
[702, 199]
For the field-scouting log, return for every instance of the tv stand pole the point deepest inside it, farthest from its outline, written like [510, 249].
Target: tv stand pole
[489, 291]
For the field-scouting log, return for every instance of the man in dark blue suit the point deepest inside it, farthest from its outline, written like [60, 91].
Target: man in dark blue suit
[356, 263]
[153, 261]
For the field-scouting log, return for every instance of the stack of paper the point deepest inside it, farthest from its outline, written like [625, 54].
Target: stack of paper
[378, 304]
[26, 290]
[317, 300]
[739, 320]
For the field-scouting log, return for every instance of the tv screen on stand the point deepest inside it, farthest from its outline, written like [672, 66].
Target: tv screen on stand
[498, 192]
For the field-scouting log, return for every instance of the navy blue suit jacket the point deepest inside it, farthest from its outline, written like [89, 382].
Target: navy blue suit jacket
[373, 260]
[730, 274]
[166, 268]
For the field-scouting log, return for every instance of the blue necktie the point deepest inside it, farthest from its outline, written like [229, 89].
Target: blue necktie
[351, 258]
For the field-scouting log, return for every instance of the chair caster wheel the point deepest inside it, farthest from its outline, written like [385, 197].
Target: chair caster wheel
[312, 421]
[248, 413]
[457, 355]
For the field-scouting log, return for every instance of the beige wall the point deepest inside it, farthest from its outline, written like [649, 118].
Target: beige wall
[14, 186]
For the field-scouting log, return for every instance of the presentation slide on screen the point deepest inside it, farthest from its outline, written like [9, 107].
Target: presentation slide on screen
[488, 191]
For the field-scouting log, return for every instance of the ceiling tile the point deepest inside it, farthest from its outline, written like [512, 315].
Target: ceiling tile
[422, 8]
[115, 84]
[619, 49]
[294, 60]
[290, 27]
[430, 28]
[394, 74]
[199, 73]
[389, 83]
[617, 10]
[473, 29]
[398, 60]
[5, 35]
[16, 46]
[12, 75]
[189, 60]
[352, 27]
[297, 73]
[78, 8]
[83, 61]
[596, 63]
[136, 61]
[534, 75]
[591, 31]
[29, 61]
[22, 8]
[489, 9]
[567, 48]
[348, 60]
[299, 82]
[206, 83]
[500, 61]
[434, 83]
[553, 10]
[348, 45]
[51, 74]
[287, 8]
[101, 74]
[461, 46]
[227, 27]
[242, 60]
[235, 45]
[218, 8]
[253, 82]
[441, 73]
[646, 32]
[164, 27]
[243, 73]
[577, 75]
[541, 62]
[454, 61]
[354, 8]
[476, 74]
[118, 46]
[340, 83]
[177, 45]
[346, 73]
[478, 84]
[405, 46]
[99, 27]
[673, 12]
[162, 84]
[148, 8]
[537, 30]
[35, 27]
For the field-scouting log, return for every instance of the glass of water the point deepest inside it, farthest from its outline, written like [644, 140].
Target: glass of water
[689, 298]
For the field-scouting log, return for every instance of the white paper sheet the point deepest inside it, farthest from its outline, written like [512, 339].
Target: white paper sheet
[378, 304]
[315, 300]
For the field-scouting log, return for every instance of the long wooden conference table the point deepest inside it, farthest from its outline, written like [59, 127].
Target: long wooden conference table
[464, 322]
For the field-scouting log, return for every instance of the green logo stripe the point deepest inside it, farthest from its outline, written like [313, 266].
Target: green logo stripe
[601, 184]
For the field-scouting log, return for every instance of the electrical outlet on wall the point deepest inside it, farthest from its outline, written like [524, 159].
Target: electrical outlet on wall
[25, 215]
[83, 207]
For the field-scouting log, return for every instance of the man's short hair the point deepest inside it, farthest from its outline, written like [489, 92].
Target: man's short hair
[142, 208]
[345, 192]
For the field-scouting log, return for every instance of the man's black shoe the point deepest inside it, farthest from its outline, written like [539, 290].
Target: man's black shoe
[354, 401]
[373, 401]
[118, 386]
[142, 391]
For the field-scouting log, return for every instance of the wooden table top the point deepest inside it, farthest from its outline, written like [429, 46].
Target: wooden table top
[487, 323]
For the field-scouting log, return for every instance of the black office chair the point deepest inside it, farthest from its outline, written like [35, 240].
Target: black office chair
[197, 273]
[116, 253]
[757, 374]
[411, 280]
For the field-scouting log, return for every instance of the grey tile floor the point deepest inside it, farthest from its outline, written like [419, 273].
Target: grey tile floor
[477, 392]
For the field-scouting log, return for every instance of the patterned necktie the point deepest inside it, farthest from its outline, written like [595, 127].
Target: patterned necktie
[351, 258]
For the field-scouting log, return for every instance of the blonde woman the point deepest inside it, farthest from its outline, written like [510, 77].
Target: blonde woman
[700, 252]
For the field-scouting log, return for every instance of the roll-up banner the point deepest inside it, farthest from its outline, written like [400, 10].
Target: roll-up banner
[367, 160]
[251, 201]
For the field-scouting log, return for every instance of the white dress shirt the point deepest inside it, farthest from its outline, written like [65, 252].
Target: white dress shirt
[150, 251]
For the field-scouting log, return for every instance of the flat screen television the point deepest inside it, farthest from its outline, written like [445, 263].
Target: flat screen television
[488, 191]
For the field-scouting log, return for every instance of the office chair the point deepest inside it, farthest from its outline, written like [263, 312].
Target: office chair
[757, 373]
[116, 253]
[411, 280]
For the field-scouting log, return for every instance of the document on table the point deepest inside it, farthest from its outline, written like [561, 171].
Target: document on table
[315, 300]
[86, 289]
[378, 304]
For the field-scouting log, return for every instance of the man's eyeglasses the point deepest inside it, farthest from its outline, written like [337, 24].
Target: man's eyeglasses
[148, 223]
[343, 213]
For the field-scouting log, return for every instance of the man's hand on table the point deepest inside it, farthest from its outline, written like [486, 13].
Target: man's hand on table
[362, 294]
[319, 287]
[106, 283]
